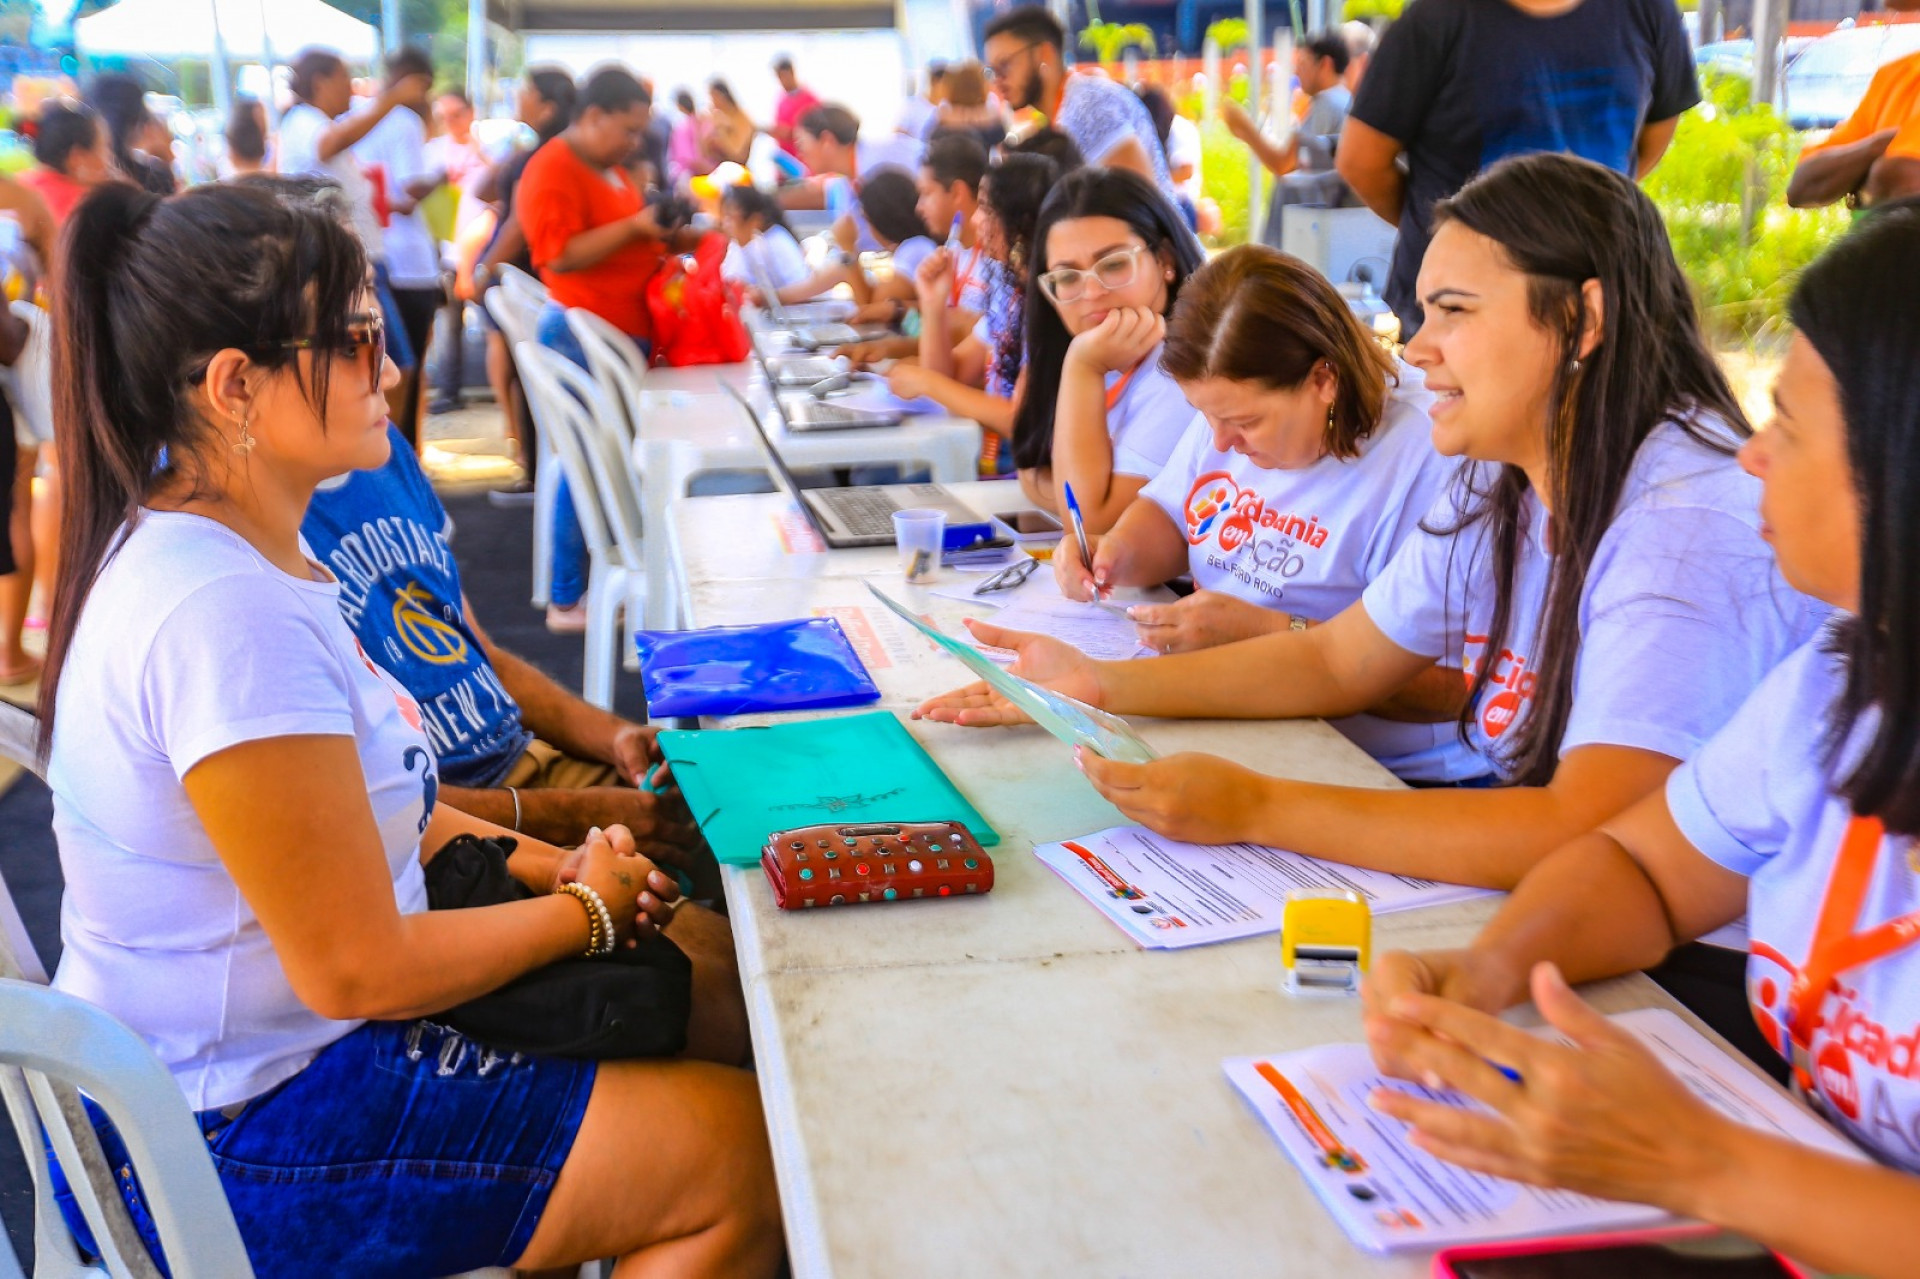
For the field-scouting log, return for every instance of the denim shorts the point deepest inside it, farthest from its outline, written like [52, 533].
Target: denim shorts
[404, 1150]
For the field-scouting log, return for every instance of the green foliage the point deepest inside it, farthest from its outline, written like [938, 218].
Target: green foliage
[1228, 34]
[1363, 10]
[1226, 178]
[1722, 189]
[1108, 40]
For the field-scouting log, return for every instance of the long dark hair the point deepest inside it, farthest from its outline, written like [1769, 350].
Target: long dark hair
[889, 200]
[1012, 192]
[557, 87]
[751, 202]
[150, 289]
[1563, 221]
[1857, 306]
[1087, 193]
[121, 101]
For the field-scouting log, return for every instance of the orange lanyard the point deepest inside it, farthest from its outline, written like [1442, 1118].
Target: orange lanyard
[1119, 388]
[962, 279]
[1836, 947]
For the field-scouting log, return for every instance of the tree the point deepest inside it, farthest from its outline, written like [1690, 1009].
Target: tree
[1108, 40]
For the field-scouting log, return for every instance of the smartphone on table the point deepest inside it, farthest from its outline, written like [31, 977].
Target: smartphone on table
[1681, 1252]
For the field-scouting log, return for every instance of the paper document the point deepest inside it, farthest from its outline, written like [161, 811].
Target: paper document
[1074, 723]
[1388, 1194]
[1168, 895]
[1100, 630]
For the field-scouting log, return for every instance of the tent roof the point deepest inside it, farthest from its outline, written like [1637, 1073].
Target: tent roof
[185, 29]
[676, 15]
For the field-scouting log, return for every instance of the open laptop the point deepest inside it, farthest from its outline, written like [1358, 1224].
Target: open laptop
[861, 516]
[807, 413]
[813, 337]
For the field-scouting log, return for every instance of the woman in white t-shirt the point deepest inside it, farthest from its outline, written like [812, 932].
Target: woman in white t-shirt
[1596, 572]
[243, 802]
[1803, 812]
[1309, 466]
[761, 249]
[1099, 415]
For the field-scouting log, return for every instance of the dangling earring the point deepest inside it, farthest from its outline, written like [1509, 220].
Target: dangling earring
[1017, 259]
[1573, 365]
[1329, 419]
[244, 445]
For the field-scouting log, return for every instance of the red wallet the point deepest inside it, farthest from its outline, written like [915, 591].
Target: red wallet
[839, 865]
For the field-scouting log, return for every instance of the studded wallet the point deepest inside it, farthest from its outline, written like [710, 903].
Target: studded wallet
[885, 862]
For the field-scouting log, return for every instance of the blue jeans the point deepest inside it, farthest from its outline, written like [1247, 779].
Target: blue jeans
[569, 543]
[403, 1150]
[399, 348]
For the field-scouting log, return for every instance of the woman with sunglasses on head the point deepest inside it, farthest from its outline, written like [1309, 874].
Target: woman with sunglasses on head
[1802, 813]
[244, 803]
[981, 374]
[1100, 417]
[1309, 465]
[1596, 572]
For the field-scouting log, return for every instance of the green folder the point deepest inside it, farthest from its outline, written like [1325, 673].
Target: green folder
[743, 784]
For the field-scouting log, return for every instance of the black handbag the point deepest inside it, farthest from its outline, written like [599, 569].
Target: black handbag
[632, 1003]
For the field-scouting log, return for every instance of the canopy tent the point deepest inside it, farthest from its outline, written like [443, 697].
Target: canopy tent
[677, 15]
[249, 29]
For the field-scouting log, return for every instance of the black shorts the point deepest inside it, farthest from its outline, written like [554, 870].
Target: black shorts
[417, 309]
[9, 460]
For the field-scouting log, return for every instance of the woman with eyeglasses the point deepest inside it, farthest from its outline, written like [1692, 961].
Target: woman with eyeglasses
[1308, 468]
[1099, 415]
[1803, 814]
[244, 802]
[1596, 572]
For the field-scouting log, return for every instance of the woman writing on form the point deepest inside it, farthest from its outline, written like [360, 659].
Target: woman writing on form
[1802, 812]
[1596, 573]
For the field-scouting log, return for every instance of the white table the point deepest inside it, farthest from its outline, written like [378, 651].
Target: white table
[689, 425]
[1006, 1085]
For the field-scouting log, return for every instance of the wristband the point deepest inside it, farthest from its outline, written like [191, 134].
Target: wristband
[516, 809]
[600, 934]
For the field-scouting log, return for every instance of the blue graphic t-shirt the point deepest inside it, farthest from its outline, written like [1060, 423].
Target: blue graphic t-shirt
[1462, 83]
[384, 535]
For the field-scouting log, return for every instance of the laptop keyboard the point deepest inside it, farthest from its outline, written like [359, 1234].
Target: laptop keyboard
[866, 512]
[804, 372]
[820, 413]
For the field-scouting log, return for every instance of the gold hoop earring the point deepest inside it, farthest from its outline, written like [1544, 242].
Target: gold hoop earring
[244, 445]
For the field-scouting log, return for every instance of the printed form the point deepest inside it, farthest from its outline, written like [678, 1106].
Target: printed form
[1168, 895]
[1388, 1194]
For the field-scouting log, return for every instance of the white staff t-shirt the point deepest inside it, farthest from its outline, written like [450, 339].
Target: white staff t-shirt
[774, 253]
[1682, 614]
[1148, 420]
[398, 144]
[1308, 541]
[1760, 800]
[190, 643]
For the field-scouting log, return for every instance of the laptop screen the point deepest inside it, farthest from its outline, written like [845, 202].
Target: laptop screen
[782, 476]
[775, 307]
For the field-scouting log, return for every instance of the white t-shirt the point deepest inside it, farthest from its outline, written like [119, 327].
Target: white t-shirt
[1148, 420]
[398, 144]
[763, 162]
[300, 130]
[1100, 114]
[1760, 800]
[1183, 147]
[1682, 614]
[909, 254]
[774, 253]
[1308, 541]
[191, 643]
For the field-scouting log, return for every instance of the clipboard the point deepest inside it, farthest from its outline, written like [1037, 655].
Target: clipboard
[743, 784]
[1073, 722]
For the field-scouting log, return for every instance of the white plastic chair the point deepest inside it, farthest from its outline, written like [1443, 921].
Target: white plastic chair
[523, 288]
[31, 376]
[570, 406]
[518, 316]
[615, 360]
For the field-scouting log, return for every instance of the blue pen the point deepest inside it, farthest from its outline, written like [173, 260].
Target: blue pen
[1512, 1074]
[1079, 527]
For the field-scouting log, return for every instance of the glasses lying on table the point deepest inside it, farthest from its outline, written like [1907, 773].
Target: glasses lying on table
[1009, 577]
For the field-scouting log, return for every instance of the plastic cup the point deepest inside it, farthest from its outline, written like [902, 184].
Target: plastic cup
[919, 534]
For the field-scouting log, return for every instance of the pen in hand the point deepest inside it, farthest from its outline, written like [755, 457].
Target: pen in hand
[1080, 534]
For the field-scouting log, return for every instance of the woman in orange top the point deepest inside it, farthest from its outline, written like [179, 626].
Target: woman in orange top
[74, 152]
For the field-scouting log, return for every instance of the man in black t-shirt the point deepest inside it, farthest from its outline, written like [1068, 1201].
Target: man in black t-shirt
[1458, 84]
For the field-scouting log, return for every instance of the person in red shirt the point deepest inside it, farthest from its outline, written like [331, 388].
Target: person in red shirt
[795, 101]
[595, 245]
[75, 155]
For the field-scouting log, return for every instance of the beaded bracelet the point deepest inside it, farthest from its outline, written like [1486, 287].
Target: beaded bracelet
[600, 934]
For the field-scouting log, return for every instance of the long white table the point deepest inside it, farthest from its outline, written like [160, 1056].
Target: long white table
[689, 425]
[1007, 1085]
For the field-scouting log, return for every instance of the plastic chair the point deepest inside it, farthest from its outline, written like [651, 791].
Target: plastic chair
[523, 288]
[570, 406]
[518, 315]
[615, 360]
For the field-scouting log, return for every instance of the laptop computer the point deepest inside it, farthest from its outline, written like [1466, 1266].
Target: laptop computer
[813, 337]
[793, 371]
[859, 516]
[809, 414]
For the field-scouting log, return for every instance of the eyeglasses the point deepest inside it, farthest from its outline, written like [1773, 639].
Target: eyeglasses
[1115, 271]
[998, 70]
[1009, 577]
[366, 332]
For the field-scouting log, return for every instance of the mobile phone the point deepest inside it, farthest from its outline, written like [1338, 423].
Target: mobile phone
[1031, 523]
[1686, 1252]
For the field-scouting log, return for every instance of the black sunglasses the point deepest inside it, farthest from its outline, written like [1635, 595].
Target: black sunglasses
[366, 332]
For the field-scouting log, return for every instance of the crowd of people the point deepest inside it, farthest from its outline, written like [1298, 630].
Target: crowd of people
[1640, 664]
